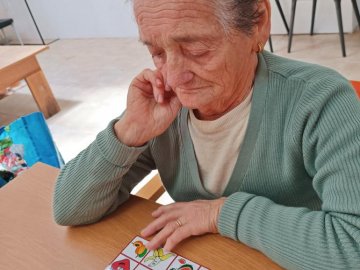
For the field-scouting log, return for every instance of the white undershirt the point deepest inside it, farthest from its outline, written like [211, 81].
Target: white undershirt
[217, 145]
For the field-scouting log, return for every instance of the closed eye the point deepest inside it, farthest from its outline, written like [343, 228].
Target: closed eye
[158, 58]
[198, 53]
[160, 54]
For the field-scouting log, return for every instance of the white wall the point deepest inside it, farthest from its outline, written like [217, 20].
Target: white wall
[325, 19]
[113, 18]
[70, 18]
[17, 10]
[85, 18]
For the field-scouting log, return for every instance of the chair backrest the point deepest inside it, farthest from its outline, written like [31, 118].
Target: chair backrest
[5, 22]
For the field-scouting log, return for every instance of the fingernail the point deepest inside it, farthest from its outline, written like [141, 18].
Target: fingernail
[166, 250]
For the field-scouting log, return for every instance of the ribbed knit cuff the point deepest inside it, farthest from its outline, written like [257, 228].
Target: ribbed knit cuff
[115, 151]
[230, 214]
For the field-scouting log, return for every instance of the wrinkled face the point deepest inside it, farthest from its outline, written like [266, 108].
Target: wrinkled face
[207, 69]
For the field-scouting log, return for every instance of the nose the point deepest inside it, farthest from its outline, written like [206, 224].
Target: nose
[176, 72]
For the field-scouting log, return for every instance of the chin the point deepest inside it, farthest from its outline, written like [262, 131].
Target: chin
[193, 105]
[189, 99]
[193, 98]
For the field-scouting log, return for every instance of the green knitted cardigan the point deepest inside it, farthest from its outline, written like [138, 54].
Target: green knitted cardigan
[295, 190]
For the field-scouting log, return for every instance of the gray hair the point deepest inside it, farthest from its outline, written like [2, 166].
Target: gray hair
[241, 15]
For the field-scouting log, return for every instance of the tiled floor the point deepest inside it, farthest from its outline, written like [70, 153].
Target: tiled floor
[90, 77]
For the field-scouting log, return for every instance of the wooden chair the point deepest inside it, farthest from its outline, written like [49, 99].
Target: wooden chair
[284, 21]
[9, 22]
[152, 189]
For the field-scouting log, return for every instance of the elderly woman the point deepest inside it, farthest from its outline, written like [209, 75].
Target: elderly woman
[250, 145]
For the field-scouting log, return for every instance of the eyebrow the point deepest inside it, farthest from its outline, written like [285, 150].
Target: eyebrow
[184, 39]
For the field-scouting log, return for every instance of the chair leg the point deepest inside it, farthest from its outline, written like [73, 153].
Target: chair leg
[282, 15]
[4, 35]
[313, 17]
[270, 44]
[356, 10]
[17, 34]
[341, 30]
[292, 19]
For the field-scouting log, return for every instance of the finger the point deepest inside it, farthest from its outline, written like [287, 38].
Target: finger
[176, 237]
[159, 223]
[161, 236]
[159, 82]
[155, 78]
[143, 86]
[160, 87]
[163, 209]
[167, 208]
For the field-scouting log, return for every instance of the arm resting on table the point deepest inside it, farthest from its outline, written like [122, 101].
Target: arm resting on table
[99, 179]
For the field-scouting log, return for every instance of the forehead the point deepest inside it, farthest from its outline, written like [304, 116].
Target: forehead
[175, 20]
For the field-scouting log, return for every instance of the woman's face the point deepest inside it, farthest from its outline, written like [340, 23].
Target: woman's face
[208, 71]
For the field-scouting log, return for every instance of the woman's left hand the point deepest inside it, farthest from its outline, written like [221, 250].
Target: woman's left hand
[178, 221]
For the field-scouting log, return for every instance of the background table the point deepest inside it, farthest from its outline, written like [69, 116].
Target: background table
[30, 239]
[18, 63]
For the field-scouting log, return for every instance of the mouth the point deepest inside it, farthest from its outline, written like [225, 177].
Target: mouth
[189, 90]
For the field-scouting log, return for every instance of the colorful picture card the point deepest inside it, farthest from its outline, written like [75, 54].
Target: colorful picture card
[136, 256]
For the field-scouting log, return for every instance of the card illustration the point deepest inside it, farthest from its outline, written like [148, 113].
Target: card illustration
[135, 256]
[157, 257]
[183, 264]
[140, 249]
[136, 249]
[122, 263]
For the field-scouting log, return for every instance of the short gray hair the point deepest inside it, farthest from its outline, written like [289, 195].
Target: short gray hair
[241, 15]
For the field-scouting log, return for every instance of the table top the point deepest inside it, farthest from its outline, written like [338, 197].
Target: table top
[10, 55]
[30, 239]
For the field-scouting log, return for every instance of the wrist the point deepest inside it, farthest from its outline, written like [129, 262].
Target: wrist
[127, 133]
[219, 203]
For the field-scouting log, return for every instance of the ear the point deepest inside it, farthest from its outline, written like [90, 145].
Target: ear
[262, 29]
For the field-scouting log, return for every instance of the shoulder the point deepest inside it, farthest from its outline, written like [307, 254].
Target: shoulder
[290, 69]
[304, 80]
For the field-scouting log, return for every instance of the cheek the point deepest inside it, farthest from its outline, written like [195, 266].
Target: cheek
[215, 73]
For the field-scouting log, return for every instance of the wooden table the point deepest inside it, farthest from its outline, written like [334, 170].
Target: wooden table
[18, 63]
[30, 239]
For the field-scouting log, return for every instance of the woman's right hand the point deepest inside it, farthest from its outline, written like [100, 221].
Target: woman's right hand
[151, 108]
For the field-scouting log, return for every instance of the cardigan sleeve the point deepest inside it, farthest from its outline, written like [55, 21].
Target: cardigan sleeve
[328, 119]
[99, 179]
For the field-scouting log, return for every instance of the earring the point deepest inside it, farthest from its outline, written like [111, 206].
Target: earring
[260, 47]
